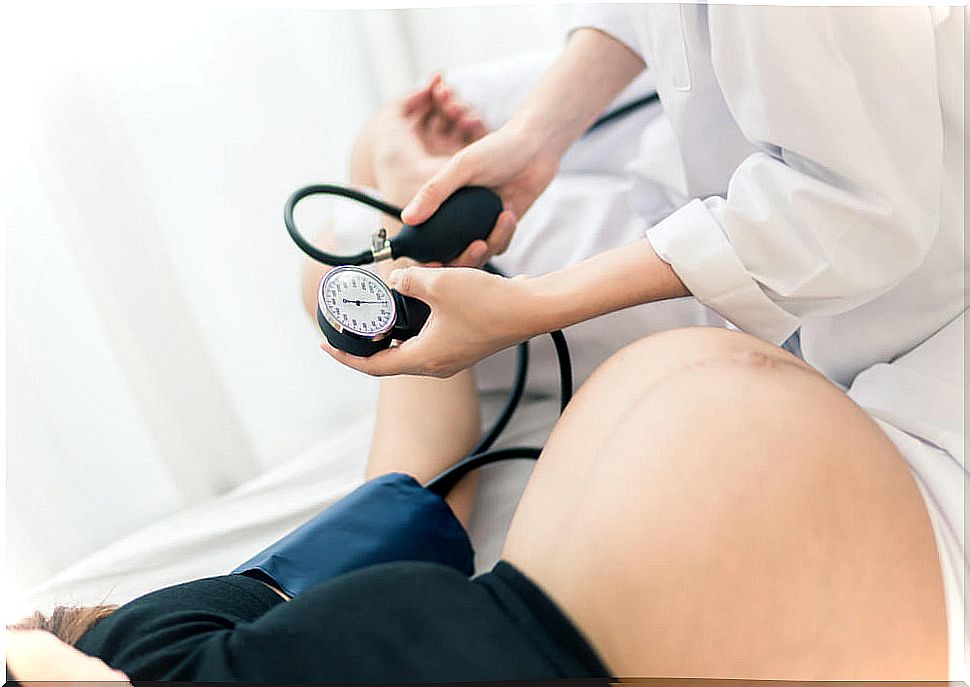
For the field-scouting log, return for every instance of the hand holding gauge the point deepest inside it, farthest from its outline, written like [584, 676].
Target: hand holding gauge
[468, 214]
[360, 314]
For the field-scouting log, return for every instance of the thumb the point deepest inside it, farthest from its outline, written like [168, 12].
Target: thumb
[414, 281]
[434, 192]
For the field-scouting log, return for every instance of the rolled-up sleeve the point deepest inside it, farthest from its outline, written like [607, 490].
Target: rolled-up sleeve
[611, 18]
[841, 202]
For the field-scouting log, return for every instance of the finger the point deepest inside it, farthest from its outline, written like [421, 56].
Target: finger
[445, 102]
[474, 255]
[419, 100]
[426, 122]
[442, 125]
[422, 98]
[472, 127]
[500, 237]
[441, 95]
[419, 123]
[455, 110]
[415, 281]
[433, 192]
[392, 361]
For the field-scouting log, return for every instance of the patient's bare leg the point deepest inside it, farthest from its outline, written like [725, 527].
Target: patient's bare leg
[710, 506]
[423, 425]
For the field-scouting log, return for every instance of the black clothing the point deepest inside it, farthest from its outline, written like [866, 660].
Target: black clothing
[388, 623]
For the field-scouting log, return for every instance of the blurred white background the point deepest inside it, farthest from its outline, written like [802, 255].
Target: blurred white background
[157, 352]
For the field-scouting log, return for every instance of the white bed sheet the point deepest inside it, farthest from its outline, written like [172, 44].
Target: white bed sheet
[213, 537]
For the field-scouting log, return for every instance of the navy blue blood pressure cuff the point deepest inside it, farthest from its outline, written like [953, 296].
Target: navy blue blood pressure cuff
[390, 518]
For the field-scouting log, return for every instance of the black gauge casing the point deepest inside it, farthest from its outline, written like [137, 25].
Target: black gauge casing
[409, 315]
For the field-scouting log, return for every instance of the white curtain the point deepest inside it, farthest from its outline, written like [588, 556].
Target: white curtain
[157, 352]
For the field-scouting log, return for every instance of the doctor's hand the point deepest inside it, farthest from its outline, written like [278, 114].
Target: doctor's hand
[508, 161]
[473, 314]
[521, 158]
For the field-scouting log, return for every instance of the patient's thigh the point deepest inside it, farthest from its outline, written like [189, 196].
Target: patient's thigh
[709, 506]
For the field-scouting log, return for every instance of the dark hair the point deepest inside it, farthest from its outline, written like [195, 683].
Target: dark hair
[67, 623]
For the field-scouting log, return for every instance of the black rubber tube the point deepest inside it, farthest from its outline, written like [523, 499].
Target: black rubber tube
[444, 482]
[515, 396]
[364, 257]
[565, 369]
[623, 111]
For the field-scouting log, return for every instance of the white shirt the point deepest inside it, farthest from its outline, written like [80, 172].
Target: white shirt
[822, 152]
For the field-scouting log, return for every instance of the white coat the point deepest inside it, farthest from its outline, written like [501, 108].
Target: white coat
[823, 168]
[822, 188]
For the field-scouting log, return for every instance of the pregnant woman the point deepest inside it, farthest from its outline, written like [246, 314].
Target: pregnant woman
[709, 505]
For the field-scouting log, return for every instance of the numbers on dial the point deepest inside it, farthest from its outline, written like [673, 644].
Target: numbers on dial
[358, 300]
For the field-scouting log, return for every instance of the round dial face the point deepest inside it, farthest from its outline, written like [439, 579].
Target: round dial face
[357, 301]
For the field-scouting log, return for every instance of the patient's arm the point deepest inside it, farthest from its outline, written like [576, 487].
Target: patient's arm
[36, 657]
[423, 424]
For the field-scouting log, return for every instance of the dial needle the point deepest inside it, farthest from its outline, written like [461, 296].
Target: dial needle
[347, 300]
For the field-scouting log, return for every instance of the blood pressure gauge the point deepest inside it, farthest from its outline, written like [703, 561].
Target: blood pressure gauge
[360, 314]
